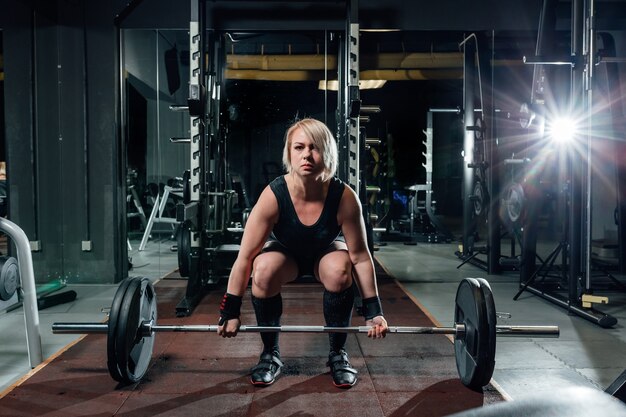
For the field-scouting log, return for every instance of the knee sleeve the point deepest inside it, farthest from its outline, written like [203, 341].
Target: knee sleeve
[268, 312]
[338, 313]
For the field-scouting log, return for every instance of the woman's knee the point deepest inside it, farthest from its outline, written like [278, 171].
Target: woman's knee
[263, 276]
[336, 273]
[269, 273]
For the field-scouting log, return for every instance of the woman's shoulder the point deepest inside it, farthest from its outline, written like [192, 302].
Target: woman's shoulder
[277, 184]
[279, 180]
[337, 183]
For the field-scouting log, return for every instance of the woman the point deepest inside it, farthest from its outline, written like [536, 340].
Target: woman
[305, 222]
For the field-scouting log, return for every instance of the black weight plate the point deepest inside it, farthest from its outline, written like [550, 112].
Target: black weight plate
[515, 203]
[141, 352]
[121, 330]
[112, 331]
[492, 321]
[478, 132]
[479, 199]
[9, 277]
[470, 350]
[133, 349]
[183, 238]
[186, 186]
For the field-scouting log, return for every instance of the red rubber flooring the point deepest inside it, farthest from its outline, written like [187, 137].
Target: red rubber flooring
[201, 374]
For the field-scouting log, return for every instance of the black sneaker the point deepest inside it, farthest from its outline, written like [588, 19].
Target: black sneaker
[344, 375]
[266, 371]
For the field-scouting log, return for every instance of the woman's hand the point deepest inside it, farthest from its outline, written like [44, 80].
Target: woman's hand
[228, 328]
[378, 326]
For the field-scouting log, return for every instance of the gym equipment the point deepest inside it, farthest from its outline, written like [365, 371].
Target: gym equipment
[480, 198]
[132, 326]
[9, 277]
[515, 203]
[441, 232]
[156, 215]
[187, 187]
[183, 241]
[28, 289]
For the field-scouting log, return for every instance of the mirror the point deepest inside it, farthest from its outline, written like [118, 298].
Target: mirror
[155, 78]
[257, 103]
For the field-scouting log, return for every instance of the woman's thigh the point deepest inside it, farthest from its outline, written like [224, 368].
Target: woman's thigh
[270, 271]
[334, 268]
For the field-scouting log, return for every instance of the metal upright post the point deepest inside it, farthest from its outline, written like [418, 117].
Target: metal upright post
[469, 76]
[353, 102]
[197, 115]
[590, 46]
[575, 166]
[493, 169]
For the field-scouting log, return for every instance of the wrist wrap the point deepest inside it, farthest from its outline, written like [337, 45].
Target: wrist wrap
[230, 308]
[372, 308]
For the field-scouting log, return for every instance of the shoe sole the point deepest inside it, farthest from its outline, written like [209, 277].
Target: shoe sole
[345, 386]
[264, 384]
[261, 384]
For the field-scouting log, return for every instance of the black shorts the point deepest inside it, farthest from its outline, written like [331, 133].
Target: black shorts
[305, 262]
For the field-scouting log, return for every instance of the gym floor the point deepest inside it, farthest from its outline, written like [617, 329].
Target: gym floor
[584, 354]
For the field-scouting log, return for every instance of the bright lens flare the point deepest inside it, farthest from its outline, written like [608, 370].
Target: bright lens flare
[562, 130]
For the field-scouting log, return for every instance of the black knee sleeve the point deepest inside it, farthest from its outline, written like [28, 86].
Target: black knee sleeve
[338, 313]
[268, 312]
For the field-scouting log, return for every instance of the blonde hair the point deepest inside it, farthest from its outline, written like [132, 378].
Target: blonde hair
[321, 137]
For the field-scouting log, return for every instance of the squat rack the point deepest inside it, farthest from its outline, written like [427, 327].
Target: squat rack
[203, 216]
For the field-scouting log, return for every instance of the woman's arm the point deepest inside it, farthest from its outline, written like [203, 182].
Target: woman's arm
[350, 218]
[258, 227]
[262, 218]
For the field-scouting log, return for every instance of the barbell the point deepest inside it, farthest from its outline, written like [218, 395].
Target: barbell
[132, 326]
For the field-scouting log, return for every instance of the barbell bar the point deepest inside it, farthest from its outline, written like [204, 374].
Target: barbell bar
[458, 331]
[132, 327]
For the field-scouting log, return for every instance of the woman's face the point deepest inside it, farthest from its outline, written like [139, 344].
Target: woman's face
[306, 158]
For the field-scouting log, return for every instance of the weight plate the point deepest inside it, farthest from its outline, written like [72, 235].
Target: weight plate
[112, 330]
[490, 354]
[478, 131]
[183, 238]
[524, 116]
[187, 186]
[471, 350]
[133, 349]
[9, 277]
[515, 202]
[479, 199]
[119, 357]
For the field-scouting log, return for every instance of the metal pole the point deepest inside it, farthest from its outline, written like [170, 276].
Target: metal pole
[575, 165]
[591, 33]
[469, 75]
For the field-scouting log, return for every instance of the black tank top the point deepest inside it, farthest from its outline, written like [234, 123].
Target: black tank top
[305, 242]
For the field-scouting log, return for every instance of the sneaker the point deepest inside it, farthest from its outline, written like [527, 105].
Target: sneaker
[266, 371]
[344, 375]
